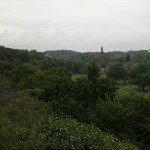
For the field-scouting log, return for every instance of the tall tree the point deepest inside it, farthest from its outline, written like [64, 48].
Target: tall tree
[116, 71]
[128, 58]
[92, 72]
[142, 80]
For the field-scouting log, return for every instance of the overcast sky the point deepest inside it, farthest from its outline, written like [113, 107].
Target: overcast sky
[76, 25]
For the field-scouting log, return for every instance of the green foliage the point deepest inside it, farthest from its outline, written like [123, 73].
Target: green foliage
[116, 71]
[5, 67]
[139, 74]
[128, 57]
[22, 75]
[69, 134]
[100, 58]
[92, 72]
[94, 87]
[139, 68]
[142, 80]
[56, 88]
[62, 53]
[107, 89]
[76, 77]
[27, 123]
[48, 63]
[126, 117]
[62, 72]
[87, 91]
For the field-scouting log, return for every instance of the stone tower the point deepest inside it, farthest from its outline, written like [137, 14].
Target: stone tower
[102, 50]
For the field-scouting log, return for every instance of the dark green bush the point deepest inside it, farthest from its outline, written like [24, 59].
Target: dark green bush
[27, 123]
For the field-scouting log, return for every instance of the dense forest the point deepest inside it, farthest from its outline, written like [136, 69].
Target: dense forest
[86, 101]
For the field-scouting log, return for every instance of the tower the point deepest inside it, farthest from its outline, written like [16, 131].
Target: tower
[102, 50]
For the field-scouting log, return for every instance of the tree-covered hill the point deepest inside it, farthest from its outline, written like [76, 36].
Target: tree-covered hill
[19, 55]
[62, 53]
[118, 55]
[103, 59]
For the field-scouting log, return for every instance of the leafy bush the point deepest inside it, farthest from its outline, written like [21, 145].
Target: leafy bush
[27, 123]
[127, 117]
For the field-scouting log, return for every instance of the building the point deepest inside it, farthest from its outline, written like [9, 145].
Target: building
[102, 50]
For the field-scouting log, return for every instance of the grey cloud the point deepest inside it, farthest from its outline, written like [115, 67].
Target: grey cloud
[82, 26]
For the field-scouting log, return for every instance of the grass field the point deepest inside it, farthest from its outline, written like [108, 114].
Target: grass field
[75, 77]
[126, 89]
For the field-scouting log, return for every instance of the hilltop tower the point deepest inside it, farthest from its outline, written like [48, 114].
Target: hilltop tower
[102, 52]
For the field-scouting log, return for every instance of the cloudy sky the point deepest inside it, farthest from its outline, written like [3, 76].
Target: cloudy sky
[77, 25]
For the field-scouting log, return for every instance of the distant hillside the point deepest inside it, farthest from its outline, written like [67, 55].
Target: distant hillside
[97, 56]
[69, 54]
[62, 53]
[139, 54]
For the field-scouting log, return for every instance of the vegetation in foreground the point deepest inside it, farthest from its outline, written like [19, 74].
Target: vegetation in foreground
[28, 123]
